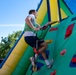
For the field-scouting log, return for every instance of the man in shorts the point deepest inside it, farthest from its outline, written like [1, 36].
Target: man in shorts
[31, 27]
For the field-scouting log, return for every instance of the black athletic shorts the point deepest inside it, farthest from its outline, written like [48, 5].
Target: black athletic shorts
[31, 40]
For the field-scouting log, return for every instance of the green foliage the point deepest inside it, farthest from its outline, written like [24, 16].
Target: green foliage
[7, 43]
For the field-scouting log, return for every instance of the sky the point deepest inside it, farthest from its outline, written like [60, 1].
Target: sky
[71, 4]
[14, 12]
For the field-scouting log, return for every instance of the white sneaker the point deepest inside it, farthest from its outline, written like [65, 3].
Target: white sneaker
[32, 61]
[51, 64]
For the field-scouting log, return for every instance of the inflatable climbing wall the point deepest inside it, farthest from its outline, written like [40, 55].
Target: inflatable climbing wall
[62, 49]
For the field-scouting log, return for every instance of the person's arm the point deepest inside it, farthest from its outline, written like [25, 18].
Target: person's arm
[29, 23]
[38, 26]
[48, 24]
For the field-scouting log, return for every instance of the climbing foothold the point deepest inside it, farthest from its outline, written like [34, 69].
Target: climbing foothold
[53, 29]
[49, 41]
[69, 30]
[74, 60]
[63, 52]
[53, 73]
[68, 33]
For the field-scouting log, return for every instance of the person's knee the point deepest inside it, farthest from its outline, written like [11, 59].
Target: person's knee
[43, 47]
[44, 44]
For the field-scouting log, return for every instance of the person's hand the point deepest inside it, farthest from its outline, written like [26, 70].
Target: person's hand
[44, 27]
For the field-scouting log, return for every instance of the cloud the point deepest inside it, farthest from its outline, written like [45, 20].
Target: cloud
[11, 25]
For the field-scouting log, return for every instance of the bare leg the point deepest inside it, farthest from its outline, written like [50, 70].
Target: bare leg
[42, 49]
[44, 55]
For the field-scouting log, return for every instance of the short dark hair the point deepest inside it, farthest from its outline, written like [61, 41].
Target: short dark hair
[31, 11]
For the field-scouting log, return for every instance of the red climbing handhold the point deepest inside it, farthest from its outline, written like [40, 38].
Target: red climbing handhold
[69, 30]
[63, 52]
[36, 51]
[53, 73]
[74, 60]
[68, 33]
[53, 29]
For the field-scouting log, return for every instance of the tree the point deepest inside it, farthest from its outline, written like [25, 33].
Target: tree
[7, 43]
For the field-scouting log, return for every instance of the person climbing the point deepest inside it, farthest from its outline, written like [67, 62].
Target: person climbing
[30, 37]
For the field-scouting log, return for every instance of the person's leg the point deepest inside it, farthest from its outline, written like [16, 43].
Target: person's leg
[46, 59]
[30, 41]
[43, 46]
[42, 51]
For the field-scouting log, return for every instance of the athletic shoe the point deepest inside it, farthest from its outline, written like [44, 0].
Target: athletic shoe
[32, 59]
